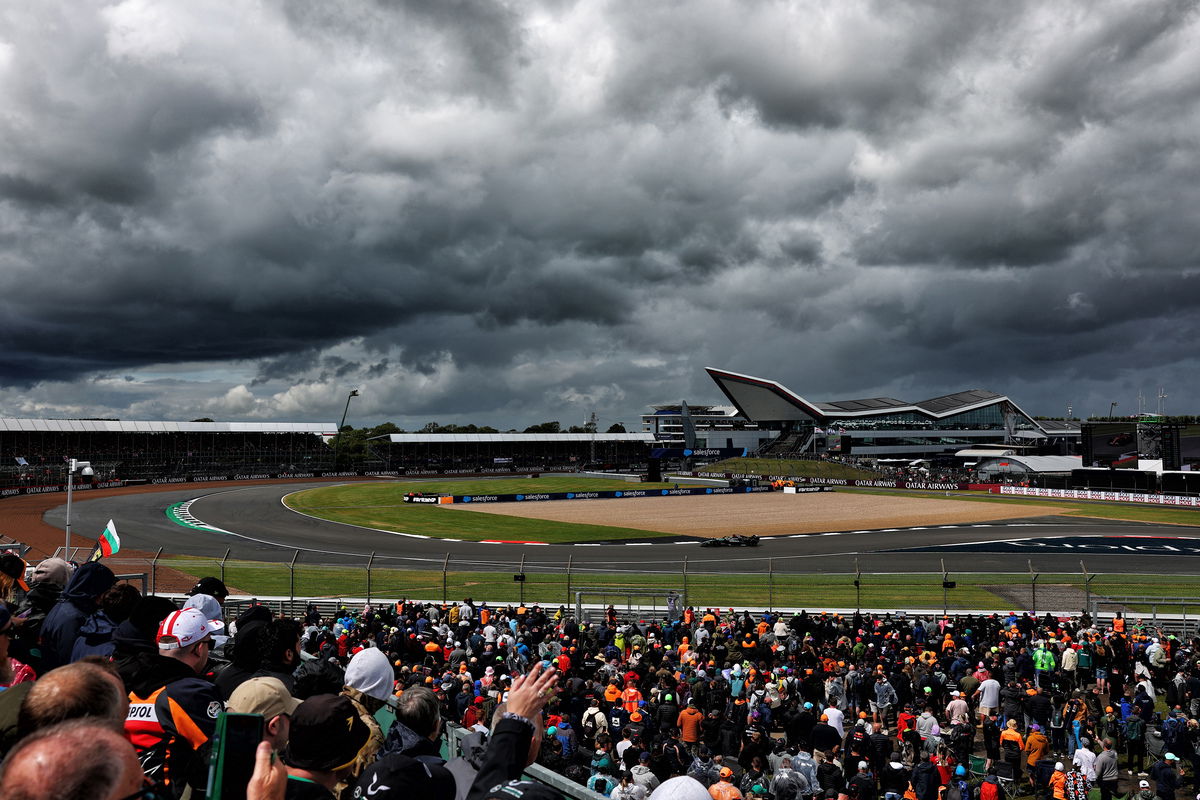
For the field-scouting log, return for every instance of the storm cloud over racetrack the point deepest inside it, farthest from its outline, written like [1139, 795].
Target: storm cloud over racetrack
[509, 212]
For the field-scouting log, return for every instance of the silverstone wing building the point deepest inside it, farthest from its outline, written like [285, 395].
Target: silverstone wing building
[884, 427]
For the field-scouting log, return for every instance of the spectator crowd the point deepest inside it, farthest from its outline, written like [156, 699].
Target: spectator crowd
[109, 693]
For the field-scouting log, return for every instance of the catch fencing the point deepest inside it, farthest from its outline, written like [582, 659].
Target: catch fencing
[700, 582]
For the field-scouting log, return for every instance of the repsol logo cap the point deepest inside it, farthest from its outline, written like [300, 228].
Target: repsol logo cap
[186, 627]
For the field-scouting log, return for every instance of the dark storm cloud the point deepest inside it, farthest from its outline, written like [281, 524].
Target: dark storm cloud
[521, 212]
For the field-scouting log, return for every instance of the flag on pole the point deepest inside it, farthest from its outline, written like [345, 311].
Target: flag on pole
[108, 543]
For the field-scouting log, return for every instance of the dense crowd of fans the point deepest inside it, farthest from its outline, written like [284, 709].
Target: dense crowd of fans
[111, 694]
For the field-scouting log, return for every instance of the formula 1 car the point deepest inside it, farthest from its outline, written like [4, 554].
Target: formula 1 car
[731, 541]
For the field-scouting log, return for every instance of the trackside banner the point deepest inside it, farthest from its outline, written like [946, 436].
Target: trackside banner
[879, 484]
[1097, 494]
[606, 495]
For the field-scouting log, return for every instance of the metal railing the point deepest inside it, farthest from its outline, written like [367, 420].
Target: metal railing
[456, 733]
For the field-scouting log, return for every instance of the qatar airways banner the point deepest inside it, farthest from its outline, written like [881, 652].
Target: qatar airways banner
[878, 484]
[1098, 494]
[618, 494]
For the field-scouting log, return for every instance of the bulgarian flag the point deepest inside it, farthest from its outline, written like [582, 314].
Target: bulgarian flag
[108, 543]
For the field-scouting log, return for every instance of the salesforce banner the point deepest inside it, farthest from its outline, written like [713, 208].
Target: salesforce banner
[606, 495]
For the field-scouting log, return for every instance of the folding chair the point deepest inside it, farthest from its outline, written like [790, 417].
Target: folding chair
[1004, 774]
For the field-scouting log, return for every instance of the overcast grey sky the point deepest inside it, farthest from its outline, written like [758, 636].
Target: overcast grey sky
[509, 212]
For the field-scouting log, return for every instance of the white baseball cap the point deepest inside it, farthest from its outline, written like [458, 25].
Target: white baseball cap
[186, 627]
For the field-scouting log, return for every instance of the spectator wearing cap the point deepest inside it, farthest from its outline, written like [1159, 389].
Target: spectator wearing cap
[172, 710]
[45, 587]
[1058, 782]
[12, 671]
[1165, 774]
[642, 775]
[270, 698]
[78, 601]
[75, 759]
[324, 742]
[1144, 792]
[213, 587]
[724, 789]
[135, 641]
[12, 578]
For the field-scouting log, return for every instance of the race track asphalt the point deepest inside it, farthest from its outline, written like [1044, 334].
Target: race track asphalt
[257, 526]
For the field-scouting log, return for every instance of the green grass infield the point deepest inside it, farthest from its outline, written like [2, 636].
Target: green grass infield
[381, 505]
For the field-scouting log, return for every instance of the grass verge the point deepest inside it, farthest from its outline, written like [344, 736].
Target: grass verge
[899, 592]
[380, 505]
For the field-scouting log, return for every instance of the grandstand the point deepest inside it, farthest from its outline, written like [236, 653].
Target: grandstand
[35, 452]
[450, 453]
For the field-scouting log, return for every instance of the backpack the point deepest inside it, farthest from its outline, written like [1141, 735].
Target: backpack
[707, 774]
[1170, 730]
[589, 726]
[953, 792]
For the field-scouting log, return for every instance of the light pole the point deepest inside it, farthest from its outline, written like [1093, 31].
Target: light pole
[1111, 406]
[338, 443]
[85, 469]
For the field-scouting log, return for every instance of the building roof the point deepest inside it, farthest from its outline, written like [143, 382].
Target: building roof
[1041, 463]
[1059, 426]
[983, 452]
[15, 425]
[762, 399]
[479, 438]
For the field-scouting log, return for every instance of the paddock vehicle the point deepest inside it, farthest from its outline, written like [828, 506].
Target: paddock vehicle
[731, 541]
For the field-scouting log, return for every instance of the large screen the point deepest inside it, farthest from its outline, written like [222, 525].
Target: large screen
[1189, 444]
[1110, 444]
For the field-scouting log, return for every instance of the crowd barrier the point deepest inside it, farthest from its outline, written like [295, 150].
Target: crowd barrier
[1100, 494]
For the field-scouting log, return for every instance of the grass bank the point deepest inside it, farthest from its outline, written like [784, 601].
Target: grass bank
[381, 505]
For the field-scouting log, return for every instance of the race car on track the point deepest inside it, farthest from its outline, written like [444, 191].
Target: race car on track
[731, 541]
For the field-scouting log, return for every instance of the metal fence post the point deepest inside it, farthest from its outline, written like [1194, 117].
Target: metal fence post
[770, 583]
[1087, 588]
[445, 566]
[945, 589]
[1033, 578]
[857, 587]
[224, 558]
[154, 572]
[570, 560]
[292, 582]
[370, 563]
[685, 602]
[522, 579]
